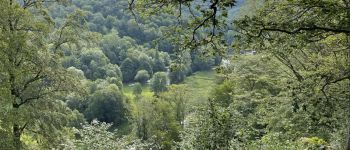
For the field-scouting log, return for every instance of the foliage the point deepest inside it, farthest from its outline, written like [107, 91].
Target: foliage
[155, 123]
[142, 76]
[177, 96]
[137, 89]
[128, 69]
[159, 82]
[159, 65]
[203, 23]
[177, 75]
[113, 46]
[107, 105]
[283, 78]
[201, 63]
[96, 65]
[252, 109]
[32, 78]
[97, 136]
[317, 68]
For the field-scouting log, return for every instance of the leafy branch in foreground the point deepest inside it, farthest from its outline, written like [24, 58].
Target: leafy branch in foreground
[33, 75]
[315, 51]
[199, 23]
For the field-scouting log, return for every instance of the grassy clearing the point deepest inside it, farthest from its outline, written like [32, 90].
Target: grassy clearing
[146, 91]
[199, 85]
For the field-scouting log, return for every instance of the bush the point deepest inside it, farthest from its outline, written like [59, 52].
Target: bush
[142, 76]
[137, 89]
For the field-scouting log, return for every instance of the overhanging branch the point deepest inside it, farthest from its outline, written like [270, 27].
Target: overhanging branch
[312, 28]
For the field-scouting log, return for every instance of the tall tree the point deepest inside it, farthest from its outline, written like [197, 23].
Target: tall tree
[178, 97]
[129, 70]
[31, 70]
[159, 82]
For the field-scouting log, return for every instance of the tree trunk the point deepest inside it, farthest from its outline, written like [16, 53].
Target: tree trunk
[348, 142]
[17, 137]
[347, 146]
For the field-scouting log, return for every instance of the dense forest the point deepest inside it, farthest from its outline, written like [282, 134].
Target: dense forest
[176, 74]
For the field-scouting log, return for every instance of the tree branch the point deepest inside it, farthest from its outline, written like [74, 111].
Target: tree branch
[311, 28]
[213, 7]
[37, 77]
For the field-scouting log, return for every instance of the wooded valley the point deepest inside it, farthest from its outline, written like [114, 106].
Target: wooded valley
[174, 74]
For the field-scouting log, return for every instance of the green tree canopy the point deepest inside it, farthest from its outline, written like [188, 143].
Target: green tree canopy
[107, 105]
[129, 70]
[137, 89]
[159, 82]
[142, 76]
[32, 76]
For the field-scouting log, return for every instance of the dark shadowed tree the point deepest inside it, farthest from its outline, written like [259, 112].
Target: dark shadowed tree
[107, 105]
[129, 70]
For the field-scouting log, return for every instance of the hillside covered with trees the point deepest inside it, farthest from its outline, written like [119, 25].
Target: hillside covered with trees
[191, 75]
